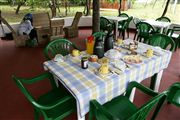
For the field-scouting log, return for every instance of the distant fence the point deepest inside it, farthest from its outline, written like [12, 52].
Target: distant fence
[115, 5]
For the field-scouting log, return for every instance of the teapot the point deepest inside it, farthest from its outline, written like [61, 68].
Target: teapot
[109, 42]
[99, 47]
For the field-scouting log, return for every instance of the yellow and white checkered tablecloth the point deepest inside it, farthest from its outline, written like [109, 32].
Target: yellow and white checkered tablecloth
[85, 85]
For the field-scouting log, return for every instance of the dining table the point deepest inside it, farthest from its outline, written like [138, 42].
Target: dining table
[88, 84]
[159, 24]
[116, 20]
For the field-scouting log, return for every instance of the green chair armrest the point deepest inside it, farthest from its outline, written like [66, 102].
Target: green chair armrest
[51, 106]
[144, 89]
[37, 78]
[34, 79]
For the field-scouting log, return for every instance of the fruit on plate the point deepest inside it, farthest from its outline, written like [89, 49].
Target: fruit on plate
[132, 59]
[75, 53]
[149, 53]
[119, 41]
[93, 58]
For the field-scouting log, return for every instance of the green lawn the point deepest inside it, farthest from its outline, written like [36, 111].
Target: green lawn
[138, 10]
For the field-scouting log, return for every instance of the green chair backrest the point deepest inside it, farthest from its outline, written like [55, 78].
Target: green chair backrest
[123, 15]
[125, 23]
[163, 19]
[173, 95]
[106, 25]
[144, 29]
[58, 46]
[128, 22]
[99, 34]
[162, 41]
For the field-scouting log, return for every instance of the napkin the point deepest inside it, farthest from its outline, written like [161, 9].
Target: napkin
[59, 58]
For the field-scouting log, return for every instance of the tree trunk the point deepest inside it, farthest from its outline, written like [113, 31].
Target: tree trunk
[119, 9]
[88, 7]
[166, 8]
[96, 16]
[52, 6]
[66, 7]
[19, 6]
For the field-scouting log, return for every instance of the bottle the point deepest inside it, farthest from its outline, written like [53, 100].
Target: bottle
[109, 42]
[99, 47]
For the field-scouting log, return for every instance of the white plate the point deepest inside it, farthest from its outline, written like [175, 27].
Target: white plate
[129, 60]
[113, 54]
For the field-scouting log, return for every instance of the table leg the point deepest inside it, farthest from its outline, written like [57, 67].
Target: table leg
[116, 29]
[155, 81]
[161, 30]
[158, 81]
[78, 113]
[131, 98]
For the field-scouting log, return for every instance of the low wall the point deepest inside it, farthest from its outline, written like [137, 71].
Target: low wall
[85, 21]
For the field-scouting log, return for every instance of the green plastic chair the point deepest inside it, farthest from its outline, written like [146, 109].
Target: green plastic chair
[106, 25]
[124, 26]
[174, 34]
[53, 105]
[123, 15]
[58, 46]
[136, 21]
[164, 19]
[145, 30]
[121, 108]
[162, 41]
[173, 95]
[99, 34]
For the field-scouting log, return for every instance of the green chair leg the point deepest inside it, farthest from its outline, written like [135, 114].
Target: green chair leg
[158, 107]
[36, 114]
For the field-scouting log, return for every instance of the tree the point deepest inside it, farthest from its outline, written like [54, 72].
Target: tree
[52, 6]
[166, 8]
[96, 16]
[20, 3]
[119, 9]
[88, 7]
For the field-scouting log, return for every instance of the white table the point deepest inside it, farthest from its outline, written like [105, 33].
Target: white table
[85, 85]
[159, 24]
[116, 20]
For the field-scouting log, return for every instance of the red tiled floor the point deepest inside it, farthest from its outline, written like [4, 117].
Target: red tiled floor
[27, 62]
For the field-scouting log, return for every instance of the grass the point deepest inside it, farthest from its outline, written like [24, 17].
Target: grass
[138, 10]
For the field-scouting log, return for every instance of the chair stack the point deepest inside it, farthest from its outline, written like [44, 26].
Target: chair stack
[72, 31]
[41, 23]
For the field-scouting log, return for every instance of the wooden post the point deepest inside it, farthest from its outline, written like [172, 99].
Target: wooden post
[96, 16]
